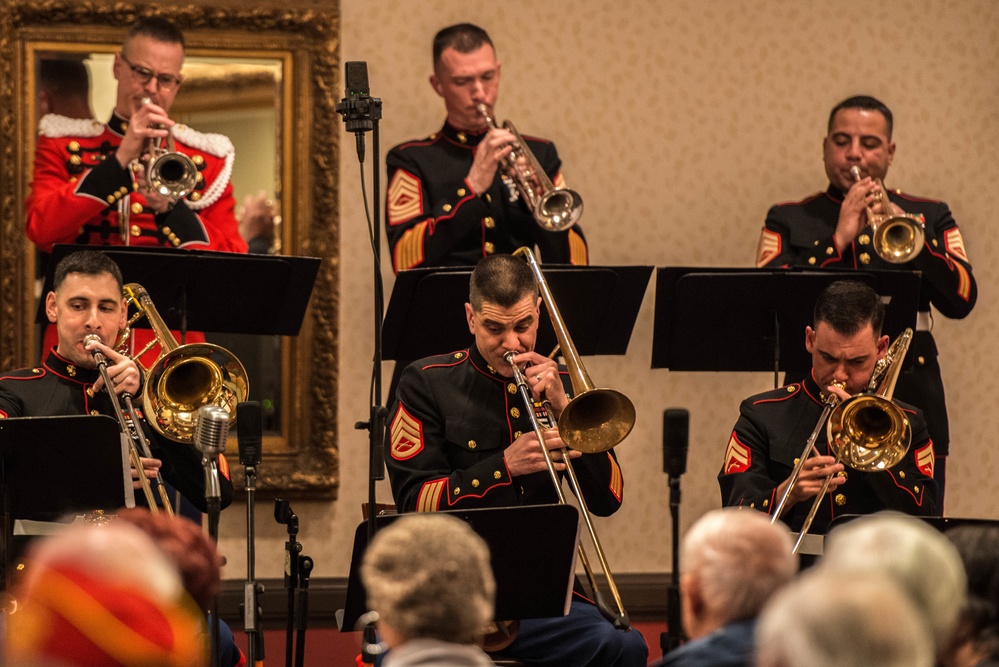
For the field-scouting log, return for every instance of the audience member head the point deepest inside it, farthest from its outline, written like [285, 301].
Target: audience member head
[976, 638]
[63, 88]
[103, 595]
[731, 562]
[428, 576]
[188, 547]
[917, 557]
[826, 620]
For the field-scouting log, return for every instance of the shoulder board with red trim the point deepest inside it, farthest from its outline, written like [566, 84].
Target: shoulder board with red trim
[777, 395]
[440, 360]
[54, 126]
[429, 139]
[803, 201]
[24, 374]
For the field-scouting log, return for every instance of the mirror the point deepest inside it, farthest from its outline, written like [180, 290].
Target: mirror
[265, 81]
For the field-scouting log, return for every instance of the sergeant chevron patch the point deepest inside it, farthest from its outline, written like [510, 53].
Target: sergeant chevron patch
[738, 457]
[926, 459]
[405, 198]
[768, 248]
[407, 435]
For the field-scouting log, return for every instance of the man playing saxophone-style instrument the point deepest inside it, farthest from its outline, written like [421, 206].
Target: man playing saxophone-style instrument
[449, 202]
[831, 229]
[460, 437]
[845, 342]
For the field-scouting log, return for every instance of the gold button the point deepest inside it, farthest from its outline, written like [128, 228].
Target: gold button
[829, 250]
[842, 473]
[865, 258]
[791, 389]
[457, 490]
[517, 434]
[446, 207]
[166, 230]
[489, 198]
[935, 243]
[472, 444]
[811, 260]
[766, 502]
[752, 505]
[198, 177]
[840, 499]
[194, 196]
[459, 355]
[197, 159]
[921, 359]
[514, 412]
[123, 190]
[901, 473]
[134, 230]
[475, 483]
[489, 222]
[462, 192]
[74, 146]
[462, 138]
[489, 247]
[110, 199]
[136, 208]
[71, 370]
[916, 488]
[94, 412]
[75, 159]
[511, 388]
[796, 460]
[497, 474]
[863, 239]
[90, 392]
[175, 241]
[124, 128]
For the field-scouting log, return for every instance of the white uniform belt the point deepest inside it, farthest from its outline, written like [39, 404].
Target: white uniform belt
[924, 321]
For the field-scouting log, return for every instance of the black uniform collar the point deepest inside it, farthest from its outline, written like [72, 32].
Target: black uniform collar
[835, 194]
[68, 370]
[812, 388]
[117, 124]
[462, 137]
[480, 364]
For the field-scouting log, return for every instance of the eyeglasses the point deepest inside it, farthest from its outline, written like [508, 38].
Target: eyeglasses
[166, 82]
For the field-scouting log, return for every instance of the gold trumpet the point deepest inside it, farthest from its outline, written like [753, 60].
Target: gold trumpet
[595, 420]
[555, 209]
[897, 238]
[184, 377]
[866, 432]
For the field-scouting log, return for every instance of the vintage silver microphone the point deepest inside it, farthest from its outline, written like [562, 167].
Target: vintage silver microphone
[209, 436]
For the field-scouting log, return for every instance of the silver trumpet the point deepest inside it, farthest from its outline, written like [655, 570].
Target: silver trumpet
[555, 209]
[169, 173]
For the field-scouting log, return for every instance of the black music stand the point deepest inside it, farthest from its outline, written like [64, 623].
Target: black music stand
[204, 290]
[526, 586]
[426, 312]
[84, 453]
[754, 319]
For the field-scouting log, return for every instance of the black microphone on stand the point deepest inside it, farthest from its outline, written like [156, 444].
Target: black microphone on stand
[249, 429]
[210, 435]
[676, 428]
[358, 108]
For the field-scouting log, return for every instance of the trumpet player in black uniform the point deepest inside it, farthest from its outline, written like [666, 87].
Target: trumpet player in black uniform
[834, 229]
[449, 200]
[87, 300]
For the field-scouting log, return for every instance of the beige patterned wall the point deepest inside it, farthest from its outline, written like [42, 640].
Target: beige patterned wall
[680, 122]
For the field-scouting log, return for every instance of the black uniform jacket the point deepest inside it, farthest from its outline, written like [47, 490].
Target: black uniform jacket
[453, 418]
[770, 435]
[434, 218]
[801, 234]
[59, 387]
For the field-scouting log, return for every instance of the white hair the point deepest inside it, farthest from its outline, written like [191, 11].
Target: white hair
[918, 557]
[429, 576]
[824, 620]
[739, 559]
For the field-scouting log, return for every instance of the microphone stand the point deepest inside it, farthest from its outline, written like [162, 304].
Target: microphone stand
[673, 636]
[210, 435]
[304, 570]
[361, 114]
[251, 589]
[284, 514]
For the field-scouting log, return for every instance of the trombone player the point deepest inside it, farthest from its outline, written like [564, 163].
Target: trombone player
[459, 437]
[845, 342]
[833, 229]
[449, 201]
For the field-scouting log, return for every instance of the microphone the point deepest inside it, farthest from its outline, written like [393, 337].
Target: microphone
[358, 108]
[210, 436]
[249, 430]
[676, 425]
